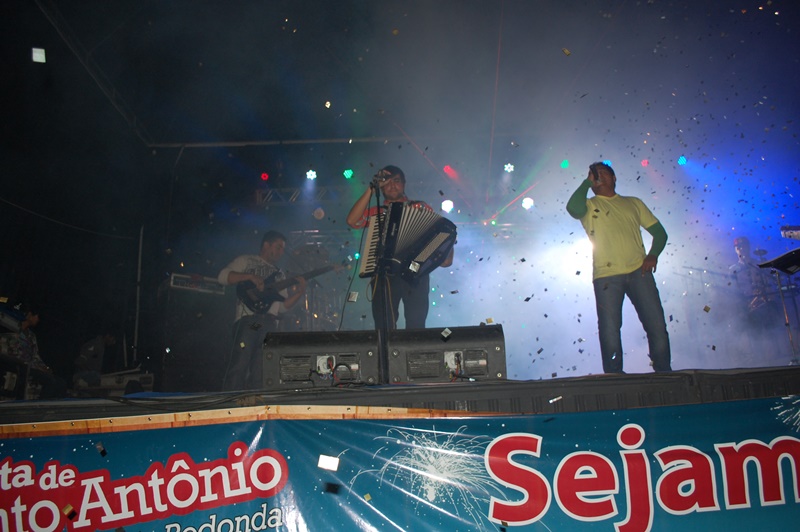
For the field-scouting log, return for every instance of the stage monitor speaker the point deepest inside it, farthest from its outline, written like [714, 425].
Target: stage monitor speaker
[447, 354]
[320, 359]
[196, 336]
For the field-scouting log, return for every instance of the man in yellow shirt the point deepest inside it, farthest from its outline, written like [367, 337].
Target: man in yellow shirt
[620, 265]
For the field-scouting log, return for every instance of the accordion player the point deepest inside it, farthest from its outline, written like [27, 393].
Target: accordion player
[415, 241]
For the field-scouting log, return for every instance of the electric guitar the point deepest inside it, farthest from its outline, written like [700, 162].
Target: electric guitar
[260, 300]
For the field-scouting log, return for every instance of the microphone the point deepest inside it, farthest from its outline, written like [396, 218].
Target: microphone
[379, 178]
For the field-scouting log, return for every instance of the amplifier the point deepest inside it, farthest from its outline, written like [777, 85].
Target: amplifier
[195, 334]
[320, 359]
[196, 283]
[447, 354]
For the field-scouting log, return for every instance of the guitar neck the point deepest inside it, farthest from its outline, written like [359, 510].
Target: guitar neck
[286, 283]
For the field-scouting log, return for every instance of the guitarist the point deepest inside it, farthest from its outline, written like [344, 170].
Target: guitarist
[250, 328]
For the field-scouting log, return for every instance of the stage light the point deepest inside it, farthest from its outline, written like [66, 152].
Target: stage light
[565, 164]
[311, 175]
[508, 167]
[527, 203]
[607, 163]
[681, 160]
[447, 206]
[348, 173]
[264, 176]
[357, 255]
[645, 162]
[450, 172]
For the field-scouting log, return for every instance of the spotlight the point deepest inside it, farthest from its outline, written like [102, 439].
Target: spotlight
[508, 167]
[348, 173]
[447, 206]
[311, 175]
[527, 203]
[681, 160]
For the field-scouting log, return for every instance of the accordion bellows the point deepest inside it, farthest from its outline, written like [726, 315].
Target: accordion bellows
[409, 238]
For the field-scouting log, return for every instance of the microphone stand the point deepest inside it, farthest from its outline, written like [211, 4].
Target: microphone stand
[382, 290]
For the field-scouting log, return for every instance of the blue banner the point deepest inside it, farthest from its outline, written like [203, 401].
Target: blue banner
[715, 466]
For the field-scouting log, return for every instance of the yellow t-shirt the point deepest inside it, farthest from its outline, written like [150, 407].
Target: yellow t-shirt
[614, 228]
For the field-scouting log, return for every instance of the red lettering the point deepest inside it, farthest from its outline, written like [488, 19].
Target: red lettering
[584, 485]
[534, 487]
[688, 483]
[639, 493]
[767, 459]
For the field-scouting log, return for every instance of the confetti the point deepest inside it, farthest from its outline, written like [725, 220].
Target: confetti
[566, 52]
[100, 448]
[555, 399]
[331, 463]
[706, 309]
[69, 512]
[446, 334]
[352, 297]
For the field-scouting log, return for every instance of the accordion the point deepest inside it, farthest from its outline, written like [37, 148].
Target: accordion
[414, 241]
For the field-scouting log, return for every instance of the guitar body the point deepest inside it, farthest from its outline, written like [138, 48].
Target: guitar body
[260, 301]
[256, 300]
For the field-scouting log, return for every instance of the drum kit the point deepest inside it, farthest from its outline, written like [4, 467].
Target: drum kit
[772, 290]
[788, 264]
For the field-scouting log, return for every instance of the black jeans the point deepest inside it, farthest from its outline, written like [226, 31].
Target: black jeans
[413, 295]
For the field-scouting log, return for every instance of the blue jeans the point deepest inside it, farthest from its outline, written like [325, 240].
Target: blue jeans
[609, 293]
[246, 363]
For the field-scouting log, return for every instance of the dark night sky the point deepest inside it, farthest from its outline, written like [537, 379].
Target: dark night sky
[164, 114]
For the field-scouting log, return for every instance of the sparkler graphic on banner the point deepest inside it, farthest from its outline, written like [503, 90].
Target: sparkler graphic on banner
[438, 470]
[788, 412]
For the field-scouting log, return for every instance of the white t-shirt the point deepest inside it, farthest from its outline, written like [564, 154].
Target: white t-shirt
[256, 265]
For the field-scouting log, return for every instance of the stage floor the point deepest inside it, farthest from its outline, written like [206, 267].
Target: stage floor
[575, 394]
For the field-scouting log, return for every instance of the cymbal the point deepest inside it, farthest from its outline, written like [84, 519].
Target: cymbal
[760, 252]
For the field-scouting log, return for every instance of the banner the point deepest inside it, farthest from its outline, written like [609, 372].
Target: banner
[705, 467]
